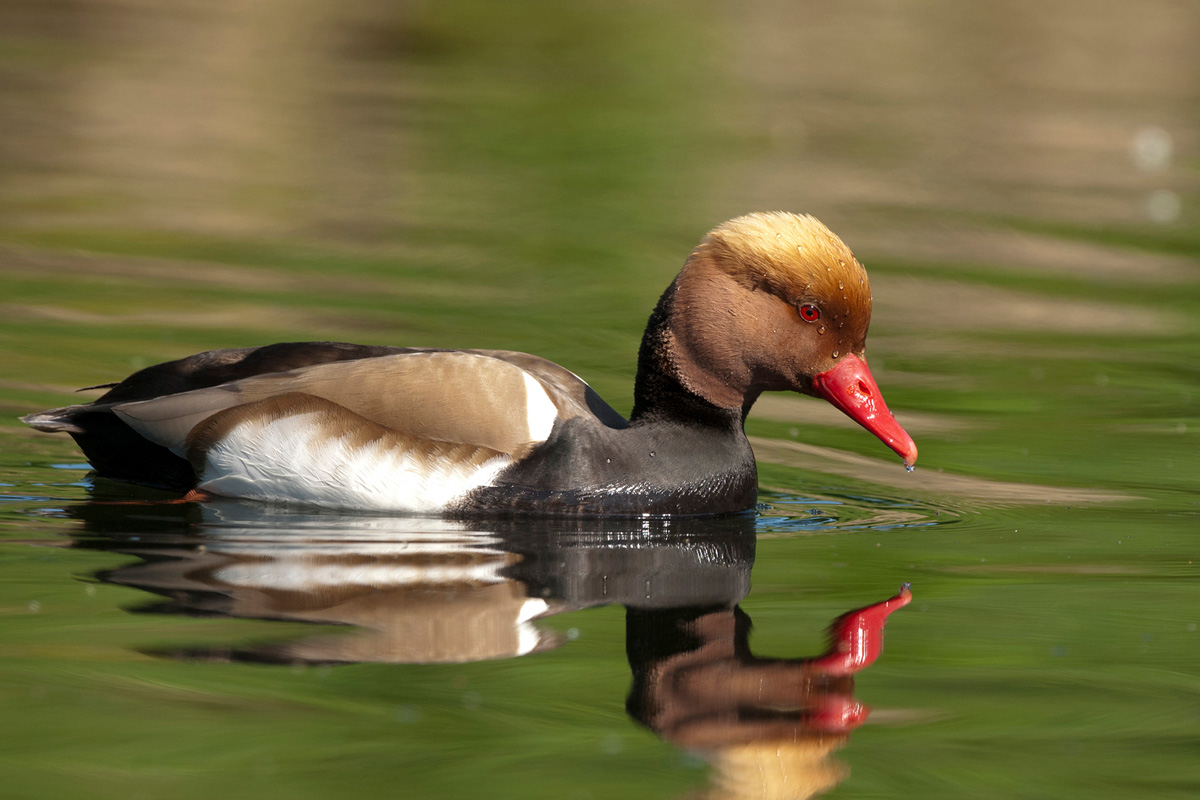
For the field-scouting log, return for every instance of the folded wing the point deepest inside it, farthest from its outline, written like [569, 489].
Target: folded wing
[504, 402]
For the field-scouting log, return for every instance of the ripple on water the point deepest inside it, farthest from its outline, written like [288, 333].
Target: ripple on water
[837, 512]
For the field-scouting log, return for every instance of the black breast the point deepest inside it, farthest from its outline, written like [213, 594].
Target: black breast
[658, 468]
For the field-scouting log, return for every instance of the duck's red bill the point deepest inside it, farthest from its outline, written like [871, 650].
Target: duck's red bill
[851, 387]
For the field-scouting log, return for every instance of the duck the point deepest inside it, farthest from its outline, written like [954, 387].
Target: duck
[768, 301]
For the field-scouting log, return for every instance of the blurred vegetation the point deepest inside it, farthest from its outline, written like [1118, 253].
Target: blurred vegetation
[1021, 184]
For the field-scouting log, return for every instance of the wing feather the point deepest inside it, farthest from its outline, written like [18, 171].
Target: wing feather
[470, 397]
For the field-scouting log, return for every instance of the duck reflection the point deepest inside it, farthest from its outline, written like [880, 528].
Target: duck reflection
[439, 591]
[767, 725]
[412, 590]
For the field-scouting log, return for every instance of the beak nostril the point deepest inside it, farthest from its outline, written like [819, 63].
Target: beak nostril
[850, 387]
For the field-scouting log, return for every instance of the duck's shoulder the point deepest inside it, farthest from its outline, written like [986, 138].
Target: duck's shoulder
[495, 399]
[571, 394]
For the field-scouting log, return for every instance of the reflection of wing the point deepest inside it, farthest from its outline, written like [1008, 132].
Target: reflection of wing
[414, 602]
[500, 401]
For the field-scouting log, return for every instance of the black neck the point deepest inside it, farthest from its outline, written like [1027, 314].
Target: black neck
[658, 396]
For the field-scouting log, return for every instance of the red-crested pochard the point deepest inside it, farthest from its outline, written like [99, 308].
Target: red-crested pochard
[768, 301]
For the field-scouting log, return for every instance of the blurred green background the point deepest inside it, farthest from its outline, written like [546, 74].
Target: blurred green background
[1022, 181]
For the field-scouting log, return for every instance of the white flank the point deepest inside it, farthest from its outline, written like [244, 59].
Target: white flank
[540, 411]
[294, 459]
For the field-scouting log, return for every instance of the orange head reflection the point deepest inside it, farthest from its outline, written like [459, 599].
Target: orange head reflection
[767, 725]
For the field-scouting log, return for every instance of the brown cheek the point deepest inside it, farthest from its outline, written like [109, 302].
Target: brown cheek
[803, 350]
[843, 334]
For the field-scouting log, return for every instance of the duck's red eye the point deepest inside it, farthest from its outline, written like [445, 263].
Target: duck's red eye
[810, 313]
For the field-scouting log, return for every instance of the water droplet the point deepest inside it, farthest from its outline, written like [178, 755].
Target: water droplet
[820, 329]
[652, 454]
[841, 285]
[910, 467]
[799, 249]
[779, 236]
[406, 714]
[1152, 148]
[1163, 205]
[608, 461]
[843, 263]
[837, 353]
[612, 744]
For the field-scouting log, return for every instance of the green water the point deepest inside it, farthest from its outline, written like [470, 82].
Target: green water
[1023, 187]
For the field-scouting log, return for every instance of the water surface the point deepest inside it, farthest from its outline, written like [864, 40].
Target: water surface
[1021, 183]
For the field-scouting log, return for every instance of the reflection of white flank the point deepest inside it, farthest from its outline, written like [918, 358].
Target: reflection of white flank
[300, 575]
[532, 608]
[231, 520]
[528, 636]
[314, 551]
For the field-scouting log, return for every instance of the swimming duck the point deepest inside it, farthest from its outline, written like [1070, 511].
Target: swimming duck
[767, 301]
